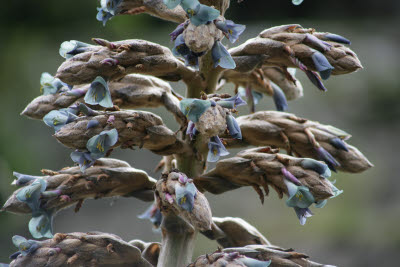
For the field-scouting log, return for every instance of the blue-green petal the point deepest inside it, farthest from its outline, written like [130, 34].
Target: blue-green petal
[203, 15]
[41, 226]
[222, 57]
[250, 262]
[233, 127]
[185, 195]
[193, 108]
[171, 4]
[98, 93]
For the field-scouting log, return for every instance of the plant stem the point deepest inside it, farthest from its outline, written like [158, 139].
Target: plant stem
[178, 238]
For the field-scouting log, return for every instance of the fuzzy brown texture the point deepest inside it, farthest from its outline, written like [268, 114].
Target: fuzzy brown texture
[133, 56]
[107, 178]
[199, 218]
[261, 167]
[135, 128]
[235, 232]
[276, 47]
[132, 91]
[260, 80]
[298, 136]
[83, 249]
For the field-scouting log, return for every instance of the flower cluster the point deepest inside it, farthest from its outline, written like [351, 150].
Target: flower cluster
[193, 109]
[97, 147]
[299, 196]
[24, 246]
[41, 224]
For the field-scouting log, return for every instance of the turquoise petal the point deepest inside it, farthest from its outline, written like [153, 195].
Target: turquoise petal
[185, 195]
[249, 262]
[297, 2]
[321, 204]
[40, 226]
[203, 15]
[17, 240]
[98, 93]
[299, 196]
[190, 5]
[222, 57]
[171, 4]
[194, 108]
[317, 166]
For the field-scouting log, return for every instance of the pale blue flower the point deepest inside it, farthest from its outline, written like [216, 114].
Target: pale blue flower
[199, 14]
[193, 108]
[99, 144]
[99, 94]
[185, 194]
[41, 225]
[299, 196]
[24, 246]
[216, 149]
[84, 159]
[58, 118]
[111, 6]
[181, 49]
[222, 57]
[231, 29]
[49, 84]
[233, 127]
[71, 48]
[30, 194]
[103, 15]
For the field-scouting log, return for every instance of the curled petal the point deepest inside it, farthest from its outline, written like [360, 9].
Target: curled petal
[41, 226]
[328, 158]
[22, 179]
[193, 108]
[222, 57]
[70, 48]
[231, 29]
[92, 123]
[84, 159]
[339, 144]
[250, 262]
[216, 149]
[99, 144]
[233, 127]
[288, 175]
[316, 80]
[185, 195]
[279, 98]
[337, 38]
[317, 166]
[303, 214]
[322, 65]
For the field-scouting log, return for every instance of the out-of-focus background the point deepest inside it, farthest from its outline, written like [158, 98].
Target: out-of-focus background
[359, 228]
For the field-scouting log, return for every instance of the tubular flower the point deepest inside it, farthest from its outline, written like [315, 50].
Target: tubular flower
[49, 84]
[221, 57]
[299, 196]
[232, 30]
[317, 166]
[58, 118]
[84, 159]
[71, 48]
[216, 149]
[99, 144]
[193, 108]
[279, 98]
[98, 93]
[22, 179]
[232, 102]
[233, 127]
[322, 65]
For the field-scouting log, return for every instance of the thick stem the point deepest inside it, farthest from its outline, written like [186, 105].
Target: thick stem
[178, 239]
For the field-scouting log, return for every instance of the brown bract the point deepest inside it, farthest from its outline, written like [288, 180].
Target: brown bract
[83, 249]
[107, 178]
[135, 128]
[261, 167]
[298, 136]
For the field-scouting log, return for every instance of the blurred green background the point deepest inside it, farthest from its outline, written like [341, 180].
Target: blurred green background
[359, 228]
